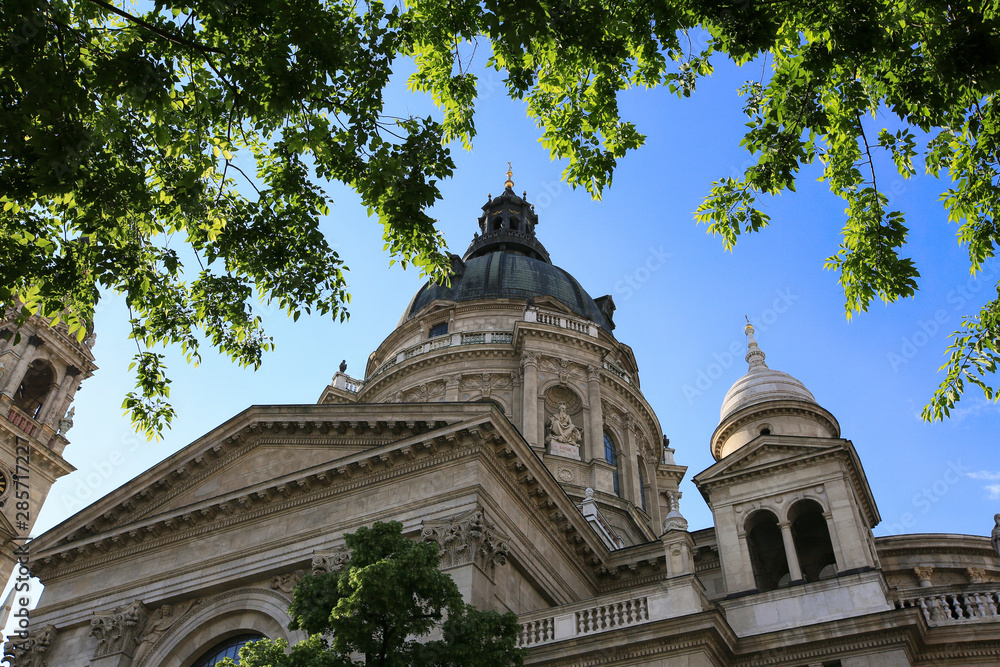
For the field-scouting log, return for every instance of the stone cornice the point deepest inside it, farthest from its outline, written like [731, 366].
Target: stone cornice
[751, 413]
[138, 497]
[43, 459]
[923, 544]
[400, 371]
[247, 504]
[524, 331]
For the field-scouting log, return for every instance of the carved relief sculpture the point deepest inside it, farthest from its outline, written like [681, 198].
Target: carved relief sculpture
[563, 438]
[467, 538]
[286, 582]
[118, 631]
[157, 625]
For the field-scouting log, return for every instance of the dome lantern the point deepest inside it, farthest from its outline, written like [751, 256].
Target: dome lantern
[507, 224]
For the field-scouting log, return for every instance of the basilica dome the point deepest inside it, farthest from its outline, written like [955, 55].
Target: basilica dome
[507, 261]
[506, 275]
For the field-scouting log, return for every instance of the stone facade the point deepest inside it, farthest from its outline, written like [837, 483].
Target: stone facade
[511, 430]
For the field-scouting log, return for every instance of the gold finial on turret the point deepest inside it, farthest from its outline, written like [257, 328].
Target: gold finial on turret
[510, 175]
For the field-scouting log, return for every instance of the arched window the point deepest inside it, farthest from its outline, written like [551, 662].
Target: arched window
[812, 541]
[611, 456]
[227, 648]
[767, 551]
[35, 387]
[642, 487]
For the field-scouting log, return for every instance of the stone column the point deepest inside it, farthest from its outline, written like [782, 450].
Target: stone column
[529, 423]
[595, 428]
[794, 571]
[16, 375]
[56, 396]
[451, 388]
[630, 465]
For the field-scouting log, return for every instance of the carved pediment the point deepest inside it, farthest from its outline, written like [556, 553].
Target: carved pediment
[260, 445]
[760, 456]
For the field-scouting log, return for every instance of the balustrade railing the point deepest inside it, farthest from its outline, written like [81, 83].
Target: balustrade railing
[613, 615]
[586, 621]
[955, 607]
[441, 342]
[537, 632]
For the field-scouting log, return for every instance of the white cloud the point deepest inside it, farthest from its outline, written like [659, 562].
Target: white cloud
[994, 491]
[985, 474]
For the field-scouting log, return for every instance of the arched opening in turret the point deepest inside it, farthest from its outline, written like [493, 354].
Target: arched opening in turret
[38, 381]
[767, 551]
[812, 541]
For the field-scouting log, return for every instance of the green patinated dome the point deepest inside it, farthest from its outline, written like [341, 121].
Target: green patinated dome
[506, 275]
[506, 261]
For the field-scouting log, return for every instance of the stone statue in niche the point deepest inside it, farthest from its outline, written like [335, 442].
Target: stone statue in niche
[995, 535]
[563, 437]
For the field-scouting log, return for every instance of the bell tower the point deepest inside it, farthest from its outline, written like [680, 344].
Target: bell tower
[41, 368]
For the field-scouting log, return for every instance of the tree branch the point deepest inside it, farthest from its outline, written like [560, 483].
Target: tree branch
[159, 32]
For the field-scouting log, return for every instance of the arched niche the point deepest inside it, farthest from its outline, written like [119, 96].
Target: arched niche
[564, 421]
[38, 381]
[811, 537]
[240, 611]
[767, 551]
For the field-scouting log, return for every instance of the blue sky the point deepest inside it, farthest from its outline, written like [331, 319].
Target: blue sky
[681, 305]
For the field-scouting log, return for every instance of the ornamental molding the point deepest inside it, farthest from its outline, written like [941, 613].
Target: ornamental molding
[30, 652]
[628, 650]
[470, 537]
[388, 378]
[565, 370]
[485, 383]
[117, 631]
[336, 477]
[330, 561]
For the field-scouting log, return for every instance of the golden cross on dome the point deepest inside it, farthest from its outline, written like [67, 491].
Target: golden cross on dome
[510, 175]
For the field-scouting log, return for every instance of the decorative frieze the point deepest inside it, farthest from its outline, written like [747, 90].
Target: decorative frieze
[468, 538]
[118, 631]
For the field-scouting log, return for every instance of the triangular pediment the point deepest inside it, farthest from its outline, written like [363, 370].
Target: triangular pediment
[262, 444]
[767, 452]
[424, 436]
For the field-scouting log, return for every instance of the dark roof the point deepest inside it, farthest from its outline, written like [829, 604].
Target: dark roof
[506, 275]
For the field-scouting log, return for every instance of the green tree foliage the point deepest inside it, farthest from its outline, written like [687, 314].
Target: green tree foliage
[825, 70]
[389, 597]
[131, 140]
